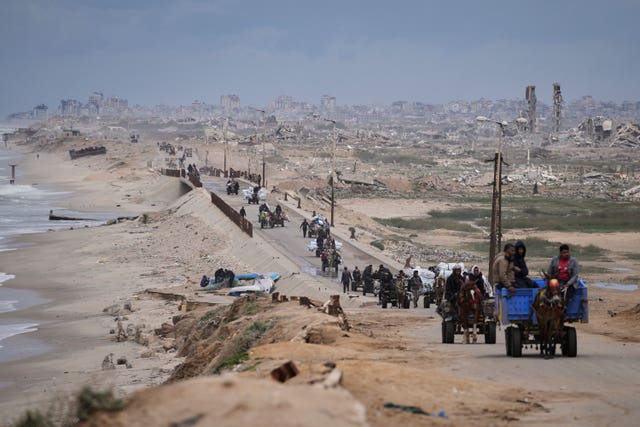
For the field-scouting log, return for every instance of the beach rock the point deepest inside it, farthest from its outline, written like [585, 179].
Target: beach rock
[147, 354]
[127, 306]
[112, 310]
[164, 330]
[107, 362]
[129, 365]
[121, 360]
[169, 345]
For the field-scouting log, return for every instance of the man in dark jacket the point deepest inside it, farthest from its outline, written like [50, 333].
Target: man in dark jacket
[564, 268]
[346, 279]
[520, 269]
[453, 285]
[304, 227]
[415, 285]
[357, 276]
[476, 277]
[367, 277]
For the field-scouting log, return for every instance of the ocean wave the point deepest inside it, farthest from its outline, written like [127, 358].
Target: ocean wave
[4, 277]
[7, 331]
[7, 306]
[26, 191]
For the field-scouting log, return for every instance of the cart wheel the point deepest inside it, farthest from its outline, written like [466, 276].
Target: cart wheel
[384, 303]
[444, 341]
[507, 340]
[490, 333]
[449, 331]
[427, 302]
[570, 342]
[516, 342]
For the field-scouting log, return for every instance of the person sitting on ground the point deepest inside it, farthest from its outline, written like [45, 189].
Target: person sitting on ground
[503, 275]
[219, 275]
[476, 277]
[204, 281]
[521, 271]
[415, 285]
[564, 268]
[453, 285]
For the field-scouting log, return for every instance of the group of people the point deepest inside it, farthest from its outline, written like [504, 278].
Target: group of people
[192, 169]
[386, 278]
[510, 269]
[510, 272]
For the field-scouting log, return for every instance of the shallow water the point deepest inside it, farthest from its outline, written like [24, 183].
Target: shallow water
[616, 286]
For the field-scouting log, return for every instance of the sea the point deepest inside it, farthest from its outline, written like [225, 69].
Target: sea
[24, 209]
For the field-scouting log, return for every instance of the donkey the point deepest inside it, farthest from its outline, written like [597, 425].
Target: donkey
[469, 303]
[549, 308]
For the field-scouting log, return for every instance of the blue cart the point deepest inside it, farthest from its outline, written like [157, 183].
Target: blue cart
[516, 312]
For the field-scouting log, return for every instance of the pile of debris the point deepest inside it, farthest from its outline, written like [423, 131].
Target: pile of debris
[421, 255]
[627, 135]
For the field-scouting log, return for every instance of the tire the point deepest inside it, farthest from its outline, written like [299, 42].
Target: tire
[426, 302]
[384, 303]
[507, 340]
[444, 341]
[490, 333]
[516, 342]
[571, 342]
[406, 303]
[449, 330]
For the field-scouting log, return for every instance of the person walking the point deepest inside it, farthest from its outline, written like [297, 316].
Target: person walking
[304, 226]
[346, 280]
[415, 285]
[243, 213]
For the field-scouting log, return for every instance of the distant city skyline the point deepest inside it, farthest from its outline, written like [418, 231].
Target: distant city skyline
[361, 52]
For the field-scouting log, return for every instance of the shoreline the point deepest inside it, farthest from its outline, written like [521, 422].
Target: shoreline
[72, 335]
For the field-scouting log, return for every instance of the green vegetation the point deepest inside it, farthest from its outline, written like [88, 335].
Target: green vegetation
[590, 216]
[542, 248]
[91, 401]
[633, 256]
[232, 361]
[426, 224]
[236, 351]
[377, 244]
[33, 419]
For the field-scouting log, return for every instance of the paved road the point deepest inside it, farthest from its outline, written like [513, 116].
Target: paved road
[290, 242]
[600, 387]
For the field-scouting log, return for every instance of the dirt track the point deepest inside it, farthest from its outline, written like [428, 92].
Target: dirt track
[600, 387]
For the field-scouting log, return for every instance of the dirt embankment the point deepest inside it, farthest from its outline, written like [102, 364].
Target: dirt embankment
[377, 363]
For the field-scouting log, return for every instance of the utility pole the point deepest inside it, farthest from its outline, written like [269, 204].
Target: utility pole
[333, 168]
[226, 147]
[496, 200]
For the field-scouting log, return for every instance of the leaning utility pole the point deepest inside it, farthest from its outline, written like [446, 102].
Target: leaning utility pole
[557, 105]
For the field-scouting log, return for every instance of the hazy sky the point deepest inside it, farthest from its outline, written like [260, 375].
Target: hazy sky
[363, 52]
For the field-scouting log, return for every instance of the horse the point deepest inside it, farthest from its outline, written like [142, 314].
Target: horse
[400, 290]
[469, 303]
[549, 308]
[438, 289]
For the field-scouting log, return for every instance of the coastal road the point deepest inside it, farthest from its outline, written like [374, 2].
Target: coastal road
[288, 241]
